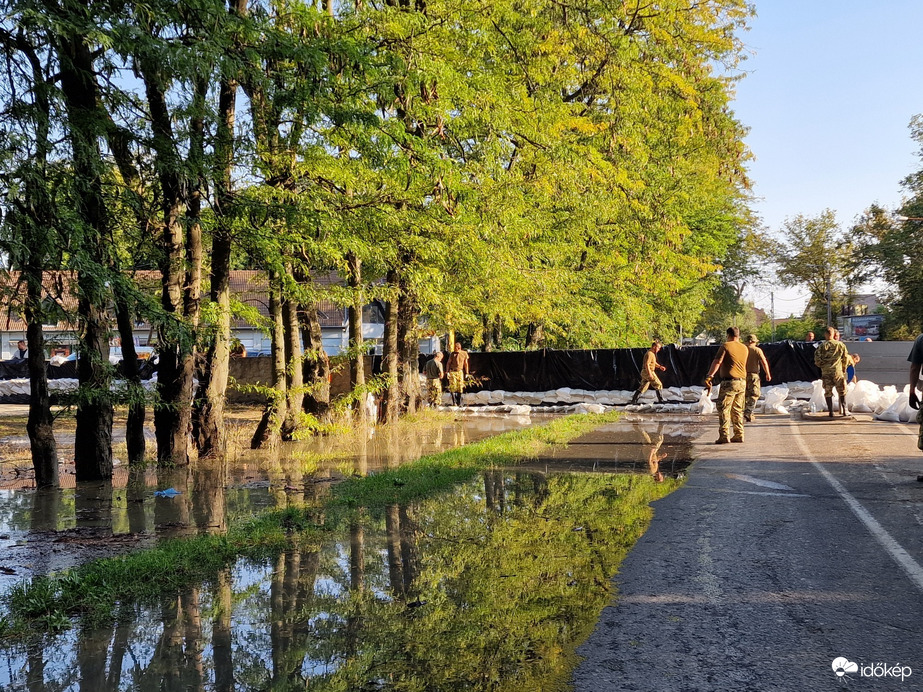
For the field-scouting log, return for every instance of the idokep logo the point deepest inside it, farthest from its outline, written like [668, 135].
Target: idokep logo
[843, 666]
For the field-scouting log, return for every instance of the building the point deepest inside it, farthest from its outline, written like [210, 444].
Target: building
[859, 321]
[250, 303]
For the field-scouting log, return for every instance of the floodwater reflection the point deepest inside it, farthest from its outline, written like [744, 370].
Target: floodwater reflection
[43, 530]
[487, 587]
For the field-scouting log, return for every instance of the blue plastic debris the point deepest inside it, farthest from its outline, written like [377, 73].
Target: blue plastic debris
[169, 492]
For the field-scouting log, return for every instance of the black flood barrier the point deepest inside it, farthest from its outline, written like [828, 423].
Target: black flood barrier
[620, 368]
[16, 370]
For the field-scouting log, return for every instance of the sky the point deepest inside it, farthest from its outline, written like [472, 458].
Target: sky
[828, 92]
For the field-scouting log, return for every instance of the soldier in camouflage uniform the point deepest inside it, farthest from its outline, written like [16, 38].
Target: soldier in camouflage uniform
[916, 363]
[832, 358]
[434, 374]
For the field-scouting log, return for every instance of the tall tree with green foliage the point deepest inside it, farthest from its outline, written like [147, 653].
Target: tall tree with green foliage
[815, 254]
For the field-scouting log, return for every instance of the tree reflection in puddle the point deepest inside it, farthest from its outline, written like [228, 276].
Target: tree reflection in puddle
[489, 587]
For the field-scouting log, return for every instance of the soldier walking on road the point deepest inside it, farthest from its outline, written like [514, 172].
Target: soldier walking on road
[832, 358]
[731, 365]
[649, 368]
[756, 359]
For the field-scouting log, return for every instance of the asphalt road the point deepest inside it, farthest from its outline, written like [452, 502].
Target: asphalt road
[779, 555]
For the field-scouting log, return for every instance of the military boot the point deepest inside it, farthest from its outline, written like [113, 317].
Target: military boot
[829, 400]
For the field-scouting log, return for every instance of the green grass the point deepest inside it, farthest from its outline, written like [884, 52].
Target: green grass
[46, 603]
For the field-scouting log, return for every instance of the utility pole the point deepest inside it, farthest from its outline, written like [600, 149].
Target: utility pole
[772, 314]
[829, 306]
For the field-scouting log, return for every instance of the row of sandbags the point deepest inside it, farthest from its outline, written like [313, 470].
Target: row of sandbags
[886, 403]
[21, 386]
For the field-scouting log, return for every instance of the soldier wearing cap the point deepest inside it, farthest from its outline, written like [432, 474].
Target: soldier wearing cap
[756, 359]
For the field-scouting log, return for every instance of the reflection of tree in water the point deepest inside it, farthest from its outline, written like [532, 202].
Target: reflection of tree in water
[483, 588]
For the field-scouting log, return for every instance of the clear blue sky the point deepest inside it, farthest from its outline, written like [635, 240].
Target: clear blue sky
[829, 90]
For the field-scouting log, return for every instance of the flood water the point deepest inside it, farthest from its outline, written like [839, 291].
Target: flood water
[486, 587]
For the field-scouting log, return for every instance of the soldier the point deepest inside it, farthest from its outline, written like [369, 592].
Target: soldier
[434, 374]
[457, 370]
[916, 362]
[756, 359]
[649, 367]
[832, 358]
[731, 364]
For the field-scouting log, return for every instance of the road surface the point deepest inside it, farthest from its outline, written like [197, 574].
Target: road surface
[801, 546]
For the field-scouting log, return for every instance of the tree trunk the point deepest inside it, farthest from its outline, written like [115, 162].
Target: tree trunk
[267, 431]
[390, 356]
[316, 364]
[173, 414]
[357, 361]
[134, 428]
[210, 433]
[93, 438]
[40, 426]
[408, 345]
[294, 372]
[535, 335]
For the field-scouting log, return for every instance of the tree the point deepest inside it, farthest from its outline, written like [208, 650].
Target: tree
[814, 253]
[891, 246]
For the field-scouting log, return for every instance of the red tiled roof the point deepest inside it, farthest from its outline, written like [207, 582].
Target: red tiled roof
[247, 286]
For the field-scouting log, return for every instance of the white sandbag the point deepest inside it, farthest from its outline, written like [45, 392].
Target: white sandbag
[818, 402]
[520, 410]
[496, 397]
[886, 397]
[774, 400]
[673, 394]
[862, 396]
[589, 408]
[704, 405]
[897, 411]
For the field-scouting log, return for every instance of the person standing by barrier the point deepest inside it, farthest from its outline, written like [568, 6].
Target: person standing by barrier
[916, 362]
[832, 358]
[756, 359]
[434, 374]
[649, 368]
[731, 365]
[851, 368]
[457, 371]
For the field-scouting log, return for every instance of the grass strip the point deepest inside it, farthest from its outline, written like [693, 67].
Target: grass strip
[46, 603]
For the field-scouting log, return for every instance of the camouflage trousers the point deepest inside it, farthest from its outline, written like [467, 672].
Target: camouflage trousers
[653, 383]
[456, 382]
[753, 392]
[731, 408]
[920, 436]
[434, 392]
[834, 379]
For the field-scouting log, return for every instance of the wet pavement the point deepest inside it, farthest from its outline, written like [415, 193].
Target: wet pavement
[487, 587]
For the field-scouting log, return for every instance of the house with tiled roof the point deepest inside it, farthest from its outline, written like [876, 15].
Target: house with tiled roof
[249, 289]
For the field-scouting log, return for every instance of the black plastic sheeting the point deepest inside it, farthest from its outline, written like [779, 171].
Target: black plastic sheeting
[12, 370]
[620, 369]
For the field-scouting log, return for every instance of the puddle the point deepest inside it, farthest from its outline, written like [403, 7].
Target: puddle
[48, 530]
[653, 444]
[488, 587]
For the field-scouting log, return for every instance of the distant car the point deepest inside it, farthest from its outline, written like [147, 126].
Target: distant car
[258, 354]
[144, 353]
